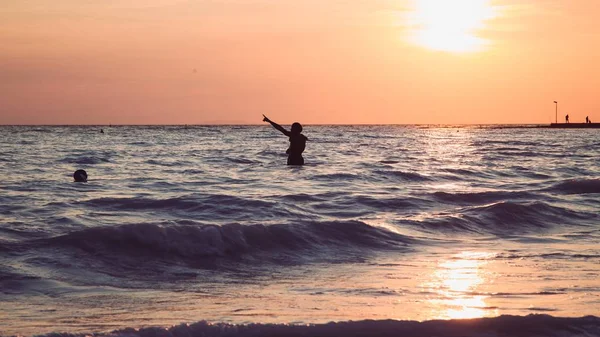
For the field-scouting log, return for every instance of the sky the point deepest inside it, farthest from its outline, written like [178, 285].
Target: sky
[311, 61]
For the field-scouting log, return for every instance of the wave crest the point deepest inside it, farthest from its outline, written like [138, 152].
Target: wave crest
[231, 240]
[576, 186]
[503, 326]
[502, 218]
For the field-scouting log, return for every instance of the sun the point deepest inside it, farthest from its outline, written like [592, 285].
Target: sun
[450, 25]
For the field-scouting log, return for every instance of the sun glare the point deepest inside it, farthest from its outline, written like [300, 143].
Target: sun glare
[450, 26]
[456, 281]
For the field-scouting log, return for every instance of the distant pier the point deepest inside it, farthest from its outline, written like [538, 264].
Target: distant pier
[575, 125]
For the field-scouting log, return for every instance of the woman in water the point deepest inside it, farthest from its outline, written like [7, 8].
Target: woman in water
[297, 141]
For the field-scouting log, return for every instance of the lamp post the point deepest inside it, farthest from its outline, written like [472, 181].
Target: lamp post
[556, 104]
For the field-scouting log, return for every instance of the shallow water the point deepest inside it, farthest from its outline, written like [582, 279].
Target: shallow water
[208, 223]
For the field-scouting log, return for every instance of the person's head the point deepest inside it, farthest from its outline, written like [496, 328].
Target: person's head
[296, 128]
[80, 176]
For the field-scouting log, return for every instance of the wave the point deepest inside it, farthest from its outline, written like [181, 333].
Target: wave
[241, 160]
[389, 204]
[517, 153]
[576, 186]
[505, 142]
[464, 172]
[343, 205]
[574, 170]
[40, 130]
[141, 143]
[555, 255]
[502, 326]
[192, 172]
[232, 240]
[502, 218]
[336, 176]
[271, 153]
[163, 163]
[219, 206]
[528, 173]
[86, 159]
[480, 197]
[537, 214]
[402, 175]
[304, 197]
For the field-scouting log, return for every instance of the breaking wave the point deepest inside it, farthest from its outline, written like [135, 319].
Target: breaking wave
[231, 240]
[503, 326]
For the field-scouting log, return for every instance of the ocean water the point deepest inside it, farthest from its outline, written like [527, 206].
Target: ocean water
[204, 230]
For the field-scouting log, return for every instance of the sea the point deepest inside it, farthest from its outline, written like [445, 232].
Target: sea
[408, 230]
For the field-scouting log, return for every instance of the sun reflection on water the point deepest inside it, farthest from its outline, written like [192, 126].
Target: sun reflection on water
[455, 283]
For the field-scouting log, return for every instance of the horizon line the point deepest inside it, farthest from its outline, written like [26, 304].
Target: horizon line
[307, 124]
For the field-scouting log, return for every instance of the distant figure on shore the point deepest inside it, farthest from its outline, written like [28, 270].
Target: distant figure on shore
[587, 120]
[297, 141]
[567, 118]
[80, 176]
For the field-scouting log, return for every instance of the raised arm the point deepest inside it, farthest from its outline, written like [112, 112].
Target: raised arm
[277, 126]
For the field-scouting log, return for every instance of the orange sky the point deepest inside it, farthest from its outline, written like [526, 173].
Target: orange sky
[313, 61]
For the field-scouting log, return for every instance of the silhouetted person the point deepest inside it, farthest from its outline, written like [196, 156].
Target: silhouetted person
[80, 176]
[101, 131]
[567, 118]
[297, 141]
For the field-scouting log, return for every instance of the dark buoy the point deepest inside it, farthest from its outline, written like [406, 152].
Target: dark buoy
[80, 176]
